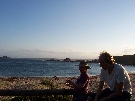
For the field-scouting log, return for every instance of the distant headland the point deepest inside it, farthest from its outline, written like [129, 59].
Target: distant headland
[5, 57]
[124, 60]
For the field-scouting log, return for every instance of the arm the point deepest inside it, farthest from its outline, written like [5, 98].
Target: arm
[79, 86]
[76, 85]
[119, 90]
[101, 85]
[99, 91]
[81, 82]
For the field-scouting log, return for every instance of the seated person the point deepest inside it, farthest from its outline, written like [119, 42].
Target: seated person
[116, 78]
[82, 84]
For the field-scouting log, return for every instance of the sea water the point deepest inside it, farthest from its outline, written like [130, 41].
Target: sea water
[41, 68]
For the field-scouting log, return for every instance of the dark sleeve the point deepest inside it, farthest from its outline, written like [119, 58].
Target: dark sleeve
[84, 79]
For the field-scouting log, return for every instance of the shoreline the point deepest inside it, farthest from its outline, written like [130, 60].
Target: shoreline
[57, 76]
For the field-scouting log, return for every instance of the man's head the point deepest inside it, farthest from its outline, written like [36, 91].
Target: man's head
[106, 60]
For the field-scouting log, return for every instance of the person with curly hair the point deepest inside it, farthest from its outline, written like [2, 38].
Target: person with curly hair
[116, 78]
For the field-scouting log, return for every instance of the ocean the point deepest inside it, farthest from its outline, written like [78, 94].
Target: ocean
[43, 68]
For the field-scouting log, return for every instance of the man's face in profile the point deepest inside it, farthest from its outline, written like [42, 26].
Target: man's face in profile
[103, 63]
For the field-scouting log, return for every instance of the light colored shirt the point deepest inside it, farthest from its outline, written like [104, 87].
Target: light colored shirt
[119, 74]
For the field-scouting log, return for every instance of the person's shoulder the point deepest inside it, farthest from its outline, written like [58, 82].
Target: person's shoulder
[118, 67]
[103, 71]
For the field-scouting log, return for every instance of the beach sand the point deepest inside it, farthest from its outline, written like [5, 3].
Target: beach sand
[59, 82]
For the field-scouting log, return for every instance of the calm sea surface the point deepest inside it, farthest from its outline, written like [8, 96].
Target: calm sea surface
[40, 68]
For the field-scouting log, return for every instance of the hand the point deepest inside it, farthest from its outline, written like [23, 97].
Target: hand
[103, 99]
[96, 99]
[69, 82]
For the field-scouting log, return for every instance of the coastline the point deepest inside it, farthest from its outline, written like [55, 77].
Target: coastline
[59, 81]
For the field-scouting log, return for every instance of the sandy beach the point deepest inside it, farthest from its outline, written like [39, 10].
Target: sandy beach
[59, 82]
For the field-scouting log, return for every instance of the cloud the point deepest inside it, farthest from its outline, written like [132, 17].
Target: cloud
[48, 53]
[71, 50]
[94, 55]
[4, 52]
[128, 51]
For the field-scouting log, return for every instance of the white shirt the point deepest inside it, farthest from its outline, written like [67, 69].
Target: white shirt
[119, 74]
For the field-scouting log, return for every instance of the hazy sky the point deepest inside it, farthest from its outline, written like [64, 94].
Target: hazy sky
[77, 29]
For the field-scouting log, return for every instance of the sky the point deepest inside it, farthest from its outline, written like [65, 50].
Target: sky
[76, 29]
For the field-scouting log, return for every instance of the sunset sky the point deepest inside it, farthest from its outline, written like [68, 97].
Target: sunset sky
[77, 29]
